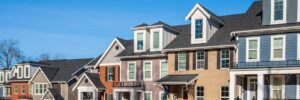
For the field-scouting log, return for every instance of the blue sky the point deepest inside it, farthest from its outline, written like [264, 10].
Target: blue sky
[85, 28]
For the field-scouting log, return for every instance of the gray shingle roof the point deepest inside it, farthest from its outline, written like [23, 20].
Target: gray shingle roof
[50, 72]
[177, 78]
[56, 94]
[95, 79]
[94, 61]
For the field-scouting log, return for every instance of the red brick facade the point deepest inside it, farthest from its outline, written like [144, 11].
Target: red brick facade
[19, 95]
[108, 84]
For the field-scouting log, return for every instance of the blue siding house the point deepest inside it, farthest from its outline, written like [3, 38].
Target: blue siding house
[268, 62]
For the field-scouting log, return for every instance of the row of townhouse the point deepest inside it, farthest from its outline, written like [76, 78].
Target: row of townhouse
[248, 56]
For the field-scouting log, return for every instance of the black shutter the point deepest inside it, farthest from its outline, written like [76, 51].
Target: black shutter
[206, 59]
[176, 61]
[114, 73]
[231, 63]
[218, 59]
[187, 61]
[119, 76]
[194, 60]
[106, 71]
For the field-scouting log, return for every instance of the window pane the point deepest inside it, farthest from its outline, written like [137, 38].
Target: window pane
[140, 41]
[278, 9]
[182, 61]
[164, 96]
[164, 69]
[147, 70]
[200, 60]
[252, 44]
[198, 28]
[131, 71]
[253, 54]
[156, 40]
[147, 96]
[225, 58]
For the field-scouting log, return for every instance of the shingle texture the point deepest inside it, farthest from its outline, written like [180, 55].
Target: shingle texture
[178, 78]
[56, 94]
[95, 79]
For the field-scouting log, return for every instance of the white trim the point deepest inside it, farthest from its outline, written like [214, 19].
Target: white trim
[160, 65]
[109, 64]
[160, 32]
[266, 30]
[35, 74]
[36, 88]
[229, 55]
[144, 32]
[81, 79]
[283, 48]
[228, 93]
[18, 73]
[204, 52]
[7, 77]
[197, 48]
[24, 71]
[195, 40]
[140, 56]
[273, 21]
[298, 44]
[45, 95]
[2, 75]
[128, 63]
[298, 87]
[198, 6]
[196, 96]
[150, 92]
[247, 49]
[282, 88]
[144, 74]
[248, 86]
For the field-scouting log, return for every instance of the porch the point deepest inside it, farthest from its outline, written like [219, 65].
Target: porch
[127, 90]
[265, 83]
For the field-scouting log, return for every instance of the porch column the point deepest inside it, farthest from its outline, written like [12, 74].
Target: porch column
[232, 85]
[260, 86]
[115, 95]
[132, 95]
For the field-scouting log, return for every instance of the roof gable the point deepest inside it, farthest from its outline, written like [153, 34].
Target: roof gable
[93, 80]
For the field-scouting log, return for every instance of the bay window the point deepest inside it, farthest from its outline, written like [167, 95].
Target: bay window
[198, 28]
[147, 70]
[252, 49]
[182, 60]
[131, 71]
[278, 47]
[200, 60]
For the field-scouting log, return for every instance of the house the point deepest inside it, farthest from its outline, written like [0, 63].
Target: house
[21, 73]
[268, 44]
[5, 87]
[51, 81]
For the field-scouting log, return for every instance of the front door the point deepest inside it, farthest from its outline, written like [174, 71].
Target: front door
[252, 88]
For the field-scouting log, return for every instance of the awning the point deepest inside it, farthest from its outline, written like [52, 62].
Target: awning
[177, 79]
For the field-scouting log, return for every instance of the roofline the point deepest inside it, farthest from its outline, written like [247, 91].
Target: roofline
[234, 33]
[36, 74]
[76, 85]
[46, 93]
[139, 56]
[156, 26]
[178, 83]
[196, 48]
[106, 51]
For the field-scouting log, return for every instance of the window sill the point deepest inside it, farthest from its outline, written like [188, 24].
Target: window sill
[278, 22]
[252, 60]
[277, 59]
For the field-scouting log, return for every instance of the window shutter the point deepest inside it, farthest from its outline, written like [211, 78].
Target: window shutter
[176, 61]
[231, 63]
[206, 59]
[119, 69]
[114, 73]
[187, 61]
[194, 60]
[218, 59]
[106, 71]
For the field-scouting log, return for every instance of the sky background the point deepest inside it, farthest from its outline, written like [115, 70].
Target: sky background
[85, 28]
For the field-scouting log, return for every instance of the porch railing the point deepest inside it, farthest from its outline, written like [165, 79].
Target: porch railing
[127, 84]
[24, 97]
[266, 64]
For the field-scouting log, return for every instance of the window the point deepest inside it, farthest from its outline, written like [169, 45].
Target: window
[163, 96]
[110, 73]
[16, 89]
[163, 68]
[277, 87]
[8, 76]
[278, 10]
[87, 95]
[1, 76]
[156, 40]
[140, 41]
[224, 93]
[200, 60]
[23, 89]
[30, 89]
[198, 28]
[200, 93]
[40, 88]
[182, 60]
[8, 91]
[26, 71]
[109, 96]
[147, 95]
[225, 58]
[131, 71]
[252, 47]
[278, 48]
[147, 70]
[19, 72]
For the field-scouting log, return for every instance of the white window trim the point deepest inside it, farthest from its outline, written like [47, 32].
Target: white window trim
[298, 87]
[36, 87]
[160, 32]
[204, 32]
[248, 86]
[147, 79]
[128, 63]
[160, 65]
[18, 76]
[221, 92]
[221, 67]
[178, 68]
[283, 49]
[284, 13]
[161, 92]
[7, 76]
[298, 43]
[247, 49]
[200, 60]
[24, 73]
[2, 75]
[147, 92]
[283, 85]
[197, 91]
[144, 32]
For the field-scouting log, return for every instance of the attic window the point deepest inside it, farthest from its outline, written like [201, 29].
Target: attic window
[117, 47]
[198, 28]
[86, 80]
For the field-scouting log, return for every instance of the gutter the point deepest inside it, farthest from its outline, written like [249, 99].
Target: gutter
[235, 33]
[139, 56]
[197, 48]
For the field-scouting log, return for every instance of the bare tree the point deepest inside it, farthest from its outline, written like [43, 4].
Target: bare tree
[10, 53]
[47, 56]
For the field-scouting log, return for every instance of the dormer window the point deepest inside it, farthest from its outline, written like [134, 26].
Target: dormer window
[198, 28]
[156, 40]
[278, 11]
[140, 41]
[20, 71]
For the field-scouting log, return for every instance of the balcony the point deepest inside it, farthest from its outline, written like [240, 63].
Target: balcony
[266, 64]
[127, 84]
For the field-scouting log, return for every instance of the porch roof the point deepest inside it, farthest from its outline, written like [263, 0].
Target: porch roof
[177, 79]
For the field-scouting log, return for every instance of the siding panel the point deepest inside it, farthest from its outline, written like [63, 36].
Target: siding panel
[242, 49]
[265, 48]
[290, 87]
[291, 46]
